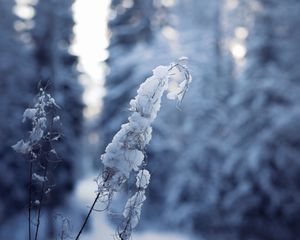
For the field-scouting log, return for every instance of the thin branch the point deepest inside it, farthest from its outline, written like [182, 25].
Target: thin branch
[40, 203]
[105, 176]
[29, 199]
[88, 215]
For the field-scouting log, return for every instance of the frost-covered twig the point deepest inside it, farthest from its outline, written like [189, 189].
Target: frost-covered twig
[133, 207]
[37, 148]
[126, 153]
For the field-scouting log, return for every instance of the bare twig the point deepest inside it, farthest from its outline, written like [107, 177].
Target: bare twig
[88, 215]
[29, 199]
[40, 203]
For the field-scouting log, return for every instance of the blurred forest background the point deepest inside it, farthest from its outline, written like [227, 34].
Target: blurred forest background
[226, 165]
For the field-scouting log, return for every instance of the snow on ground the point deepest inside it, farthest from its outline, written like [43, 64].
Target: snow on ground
[101, 229]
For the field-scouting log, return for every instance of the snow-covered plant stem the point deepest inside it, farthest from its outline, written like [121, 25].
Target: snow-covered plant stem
[38, 147]
[133, 207]
[126, 153]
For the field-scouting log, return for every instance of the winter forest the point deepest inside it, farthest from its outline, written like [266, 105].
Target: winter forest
[149, 119]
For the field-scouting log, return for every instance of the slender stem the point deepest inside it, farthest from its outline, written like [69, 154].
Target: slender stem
[87, 217]
[29, 199]
[108, 176]
[40, 203]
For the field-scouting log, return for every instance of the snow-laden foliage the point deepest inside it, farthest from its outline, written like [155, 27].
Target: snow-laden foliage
[126, 153]
[42, 157]
[133, 207]
[38, 117]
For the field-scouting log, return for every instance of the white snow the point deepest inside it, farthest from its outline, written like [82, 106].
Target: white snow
[123, 153]
[29, 113]
[142, 179]
[39, 178]
[38, 117]
[161, 72]
[36, 134]
[133, 208]
[56, 118]
[136, 134]
[22, 147]
[134, 158]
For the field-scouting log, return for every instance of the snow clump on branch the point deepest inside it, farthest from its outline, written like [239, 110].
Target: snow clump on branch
[126, 153]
